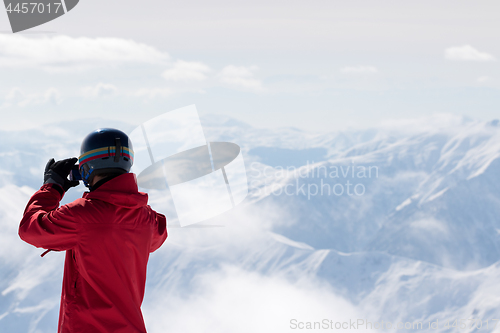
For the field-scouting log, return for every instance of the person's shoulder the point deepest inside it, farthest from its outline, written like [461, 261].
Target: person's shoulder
[75, 209]
[78, 205]
[78, 202]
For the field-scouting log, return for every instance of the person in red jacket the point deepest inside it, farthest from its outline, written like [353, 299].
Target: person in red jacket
[107, 234]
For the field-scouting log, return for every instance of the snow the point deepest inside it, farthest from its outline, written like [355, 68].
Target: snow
[404, 204]
[289, 242]
[420, 244]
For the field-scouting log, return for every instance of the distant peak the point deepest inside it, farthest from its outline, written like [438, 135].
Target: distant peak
[493, 123]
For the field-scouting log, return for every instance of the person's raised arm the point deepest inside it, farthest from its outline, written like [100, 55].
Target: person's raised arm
[43, 223]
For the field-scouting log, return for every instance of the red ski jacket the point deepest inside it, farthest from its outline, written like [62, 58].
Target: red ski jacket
[107, 235]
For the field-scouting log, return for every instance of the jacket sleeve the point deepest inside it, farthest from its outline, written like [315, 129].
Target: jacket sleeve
[47, 226]
[159, 233]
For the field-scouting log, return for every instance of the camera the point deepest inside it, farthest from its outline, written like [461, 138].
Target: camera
[75, 173]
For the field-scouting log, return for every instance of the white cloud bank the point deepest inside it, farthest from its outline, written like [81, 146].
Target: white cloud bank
[359, 69]
[484, 79]
[150, 93]
[100, 90]
[63, 53]
[234, 300]
[467, 53]
[187, 71]
[240, 77]
[19, 98]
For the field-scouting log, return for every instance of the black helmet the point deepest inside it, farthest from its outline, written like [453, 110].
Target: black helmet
[105, 150]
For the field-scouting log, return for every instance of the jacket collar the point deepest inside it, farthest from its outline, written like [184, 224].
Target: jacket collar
[121, 190]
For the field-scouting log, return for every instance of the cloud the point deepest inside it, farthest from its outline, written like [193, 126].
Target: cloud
[442, 122]
[359, 69]
[234, 300]
[163, 92]
[466, 53]
[14, 199]
[484, 79]
[150, 93]
[17, 97]
[187, 71]
[240, 77]
[64, 53]
[100, 90]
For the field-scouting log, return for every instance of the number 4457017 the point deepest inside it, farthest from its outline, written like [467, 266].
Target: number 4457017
[34, 7]
[472, 323]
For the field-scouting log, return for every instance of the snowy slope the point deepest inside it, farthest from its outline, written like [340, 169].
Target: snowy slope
[418, 245]
[426, 198]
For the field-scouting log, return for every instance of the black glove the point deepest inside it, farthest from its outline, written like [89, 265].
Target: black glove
[58, 172]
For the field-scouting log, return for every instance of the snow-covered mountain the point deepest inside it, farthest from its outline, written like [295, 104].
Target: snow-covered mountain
[397, 223]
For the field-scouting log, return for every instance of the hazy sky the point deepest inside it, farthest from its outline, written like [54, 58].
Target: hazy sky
[317, 65]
